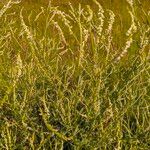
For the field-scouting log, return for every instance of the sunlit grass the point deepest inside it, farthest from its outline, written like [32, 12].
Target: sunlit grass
[75, 78]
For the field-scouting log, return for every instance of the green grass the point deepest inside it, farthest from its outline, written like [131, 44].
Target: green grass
[75, 76]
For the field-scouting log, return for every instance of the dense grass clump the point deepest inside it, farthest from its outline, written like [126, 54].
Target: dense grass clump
[75, 78]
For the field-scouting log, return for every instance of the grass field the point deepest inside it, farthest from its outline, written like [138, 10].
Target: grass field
[75, 76]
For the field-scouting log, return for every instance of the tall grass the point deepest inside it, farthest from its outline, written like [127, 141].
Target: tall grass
[66, 82]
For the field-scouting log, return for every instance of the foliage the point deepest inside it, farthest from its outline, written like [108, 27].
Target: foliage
[67, 82]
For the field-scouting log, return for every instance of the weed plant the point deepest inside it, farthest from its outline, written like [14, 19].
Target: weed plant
[67, 82]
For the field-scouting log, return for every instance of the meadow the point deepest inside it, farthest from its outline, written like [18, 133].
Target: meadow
[75, 75]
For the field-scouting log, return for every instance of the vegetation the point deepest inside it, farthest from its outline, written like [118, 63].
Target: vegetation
[74, 77]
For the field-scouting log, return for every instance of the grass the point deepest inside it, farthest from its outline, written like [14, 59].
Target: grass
[75, 78]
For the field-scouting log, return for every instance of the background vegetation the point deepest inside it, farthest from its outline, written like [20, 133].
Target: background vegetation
[75, 75]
